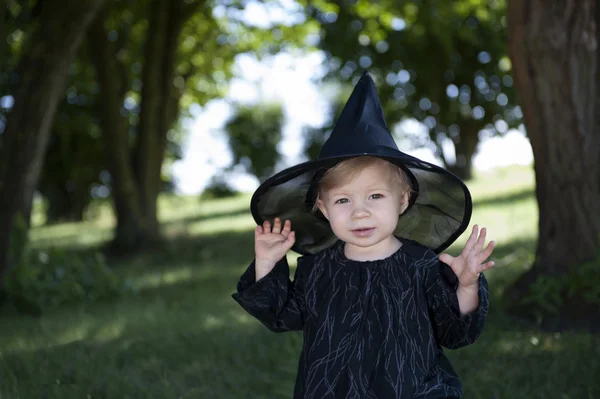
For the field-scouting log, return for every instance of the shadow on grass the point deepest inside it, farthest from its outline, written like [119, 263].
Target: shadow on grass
[185, 337]
[205, 217]
[218, 249]
[510, 361]
[180, 248]
[511, 260]
[219, 259]
[506, 199]
[168, 360]
[217, 363]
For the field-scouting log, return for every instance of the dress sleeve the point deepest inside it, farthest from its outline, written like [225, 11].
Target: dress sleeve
[274, 300]
[452, 329]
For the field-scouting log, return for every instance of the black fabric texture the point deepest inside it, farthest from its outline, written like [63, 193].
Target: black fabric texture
[372, 329]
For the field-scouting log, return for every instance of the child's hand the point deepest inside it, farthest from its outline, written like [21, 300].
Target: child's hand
[271, 245]
[469, 264]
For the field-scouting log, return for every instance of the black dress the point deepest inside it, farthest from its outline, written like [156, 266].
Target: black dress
[372, 329]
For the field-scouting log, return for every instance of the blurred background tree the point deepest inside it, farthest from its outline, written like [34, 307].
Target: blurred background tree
[106, 119]
[74, 162]
[254, 134]
[441, 63]
[138, 101]
[135, 104]
[46, 43]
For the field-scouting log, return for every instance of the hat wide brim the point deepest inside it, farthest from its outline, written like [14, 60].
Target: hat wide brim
[438, 213]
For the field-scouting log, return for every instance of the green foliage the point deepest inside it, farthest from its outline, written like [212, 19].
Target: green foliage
[443, 63]
[254, 134]
[74, 160]
[585, 281]
[549, 293]
[315, 137]
[16, 18]
[18, 239]
[52, 278]
[218, 188]
[545, 295]
[211, 37]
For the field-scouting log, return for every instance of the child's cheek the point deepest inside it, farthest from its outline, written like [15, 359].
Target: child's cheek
[340, 215]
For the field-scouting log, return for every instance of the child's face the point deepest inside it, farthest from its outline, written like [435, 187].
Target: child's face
[364, 212]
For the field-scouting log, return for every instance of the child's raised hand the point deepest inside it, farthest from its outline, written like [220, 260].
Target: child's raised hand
[470, 263]
[270, 245]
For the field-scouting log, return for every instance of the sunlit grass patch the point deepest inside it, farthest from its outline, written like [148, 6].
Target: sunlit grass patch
[180, 334]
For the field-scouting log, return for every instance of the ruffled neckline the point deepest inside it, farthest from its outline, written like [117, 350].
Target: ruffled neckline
[341, 257]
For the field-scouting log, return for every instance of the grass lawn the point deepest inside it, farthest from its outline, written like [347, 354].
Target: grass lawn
[182, 336]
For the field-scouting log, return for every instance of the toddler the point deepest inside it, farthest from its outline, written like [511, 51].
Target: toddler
[374, 303]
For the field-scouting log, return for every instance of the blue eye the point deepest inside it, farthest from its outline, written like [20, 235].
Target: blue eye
[341, 201]
[377, 196]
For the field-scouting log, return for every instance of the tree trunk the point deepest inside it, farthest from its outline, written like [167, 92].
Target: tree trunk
[160, 101]
[465, 145]
[553, 47]
[136, 182]
[2, 29]
[131, 231]
[68, 173]
[64, 205]
[464, 148]
[42, 75]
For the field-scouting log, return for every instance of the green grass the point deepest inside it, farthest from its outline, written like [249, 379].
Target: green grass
[182, 336]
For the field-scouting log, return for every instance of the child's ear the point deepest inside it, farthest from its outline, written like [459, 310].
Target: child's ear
[321, 207]
[404, 203]
[403, 207]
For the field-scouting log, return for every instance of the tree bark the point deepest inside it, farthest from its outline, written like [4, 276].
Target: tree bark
[130, 232]
[65, 205]
[2, 29]
[160, 101]
[137, 182]
[554, 52]
[42, 73]
[464, 149]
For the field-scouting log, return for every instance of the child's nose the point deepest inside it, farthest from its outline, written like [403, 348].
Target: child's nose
[360, 211]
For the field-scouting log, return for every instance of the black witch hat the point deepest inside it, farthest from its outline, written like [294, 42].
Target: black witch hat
[439, 208]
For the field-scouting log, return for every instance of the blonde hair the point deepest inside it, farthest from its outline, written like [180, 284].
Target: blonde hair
[348, 170]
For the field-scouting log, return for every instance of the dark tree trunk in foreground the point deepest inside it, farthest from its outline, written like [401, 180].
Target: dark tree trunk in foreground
[136, 169]
[42, 75]
[554, 51]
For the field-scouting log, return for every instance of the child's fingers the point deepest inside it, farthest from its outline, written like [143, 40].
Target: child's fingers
[258, 230]
[266, 226]
[472, 238]
[287, 227]
[487, 252]
[450, 261]
[290, 239]
[481, 238]
[277, 226]
[486, 266]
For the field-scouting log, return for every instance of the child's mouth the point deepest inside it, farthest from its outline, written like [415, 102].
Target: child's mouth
[363, 232]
